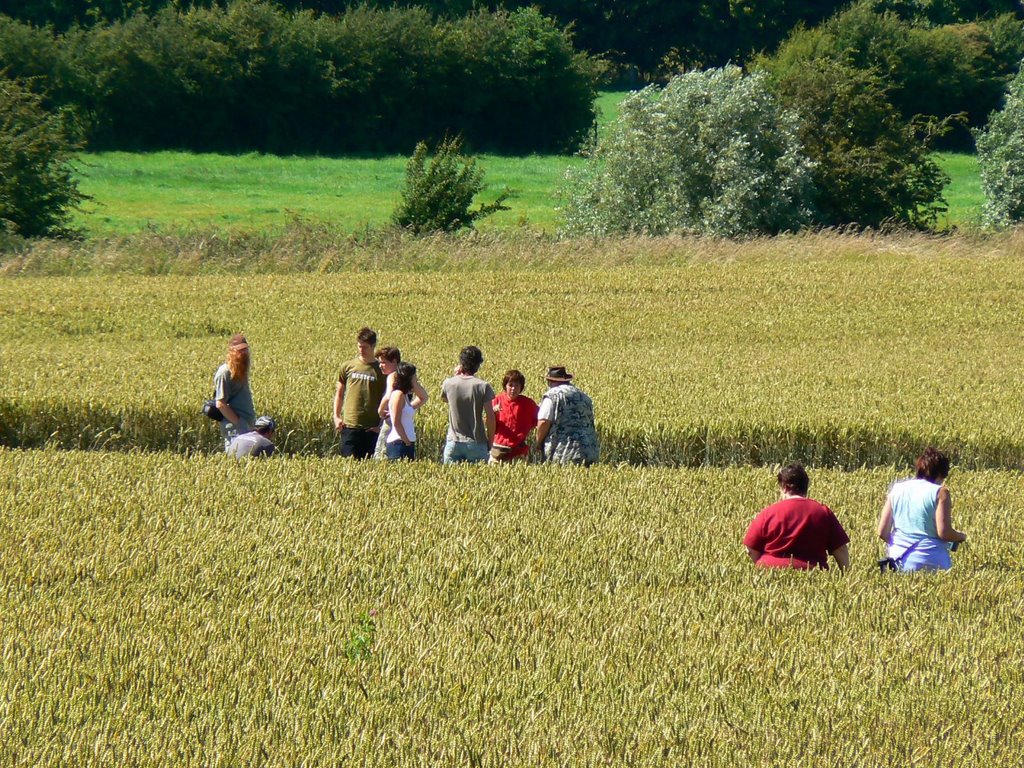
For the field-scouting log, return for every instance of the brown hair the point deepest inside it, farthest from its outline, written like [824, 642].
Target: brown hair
[513, 375]
[238, 357]
[794, 479]
[367, 336]
[391, 354]
[932, 465]
[470, 360]
[404, 377]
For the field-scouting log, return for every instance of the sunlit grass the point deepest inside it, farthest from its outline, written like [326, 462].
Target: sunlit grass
[963, 193]
[253, 193]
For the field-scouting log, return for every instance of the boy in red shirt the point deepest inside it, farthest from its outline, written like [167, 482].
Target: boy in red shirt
[796, 532]
[516, 416]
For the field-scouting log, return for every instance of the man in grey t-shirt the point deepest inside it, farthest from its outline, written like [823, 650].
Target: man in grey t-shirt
[470, 413]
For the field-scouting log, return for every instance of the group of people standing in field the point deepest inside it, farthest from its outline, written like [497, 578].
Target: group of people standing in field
[915, 522]
[377, 396]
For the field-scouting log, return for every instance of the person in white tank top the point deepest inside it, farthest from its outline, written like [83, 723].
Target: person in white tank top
[407, 397]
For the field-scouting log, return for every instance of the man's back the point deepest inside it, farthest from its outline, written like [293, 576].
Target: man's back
[466, 397]
[795, 532]
[250, 444]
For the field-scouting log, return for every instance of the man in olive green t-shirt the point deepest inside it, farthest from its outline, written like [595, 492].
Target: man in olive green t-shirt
[360, 388]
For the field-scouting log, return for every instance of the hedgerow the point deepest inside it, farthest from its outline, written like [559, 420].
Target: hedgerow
[252, 76]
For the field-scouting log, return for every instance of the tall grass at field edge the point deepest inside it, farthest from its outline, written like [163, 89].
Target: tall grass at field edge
[309, 247]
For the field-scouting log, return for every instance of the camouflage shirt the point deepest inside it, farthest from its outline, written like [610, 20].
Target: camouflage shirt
[572, 438]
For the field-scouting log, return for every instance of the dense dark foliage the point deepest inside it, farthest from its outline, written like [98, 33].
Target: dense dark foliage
[255, 77]
[938, 72]
[870, 168]
[649, 36]
[38, 190]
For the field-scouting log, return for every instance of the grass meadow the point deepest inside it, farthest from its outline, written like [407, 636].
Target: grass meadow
[180, 190]
[164, 191]
[133, 192]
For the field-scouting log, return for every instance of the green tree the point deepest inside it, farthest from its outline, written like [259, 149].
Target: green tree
[38, 190]
[437, 195]
[1001, 159]
[711, 153]
[870, 167]
[954, 73]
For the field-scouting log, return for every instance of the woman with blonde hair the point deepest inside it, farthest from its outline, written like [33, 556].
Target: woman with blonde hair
[231, 391]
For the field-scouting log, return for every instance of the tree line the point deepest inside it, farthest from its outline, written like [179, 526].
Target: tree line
[253, 76]
[648, 37]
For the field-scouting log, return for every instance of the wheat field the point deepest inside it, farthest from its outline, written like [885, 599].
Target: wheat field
[170, 610]
[161, 605]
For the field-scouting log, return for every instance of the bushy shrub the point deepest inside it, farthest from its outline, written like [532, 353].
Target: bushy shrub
[38, 190]
[437, 195]
[252, 76]
[954, 73]
[1001, 159]
[870, 167]
[713, 152]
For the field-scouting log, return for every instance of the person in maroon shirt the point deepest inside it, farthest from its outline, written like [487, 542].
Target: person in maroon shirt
[796, 532]
[516, 416]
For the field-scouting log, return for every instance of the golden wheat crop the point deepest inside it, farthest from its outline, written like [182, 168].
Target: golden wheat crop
[835, 354]
[164, 610]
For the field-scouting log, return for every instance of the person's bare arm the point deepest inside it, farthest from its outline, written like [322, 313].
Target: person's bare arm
[382, 407]
[419, 393]
[944, 518]
[491, 422]
[753, 554]
[543, 427]
[885, 521]
[228, 412]
[339, 398]
[842, 556]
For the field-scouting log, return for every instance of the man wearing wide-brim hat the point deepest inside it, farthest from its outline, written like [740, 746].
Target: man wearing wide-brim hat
[565, 423]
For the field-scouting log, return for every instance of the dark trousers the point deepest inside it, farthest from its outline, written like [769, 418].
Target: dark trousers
[358, 443]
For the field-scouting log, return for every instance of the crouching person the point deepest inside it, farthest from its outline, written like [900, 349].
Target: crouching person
[796, 532]
[259, 442]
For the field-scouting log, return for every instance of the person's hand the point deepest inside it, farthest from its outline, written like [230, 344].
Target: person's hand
[407, 442]
[458, 370]
[339, 424]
